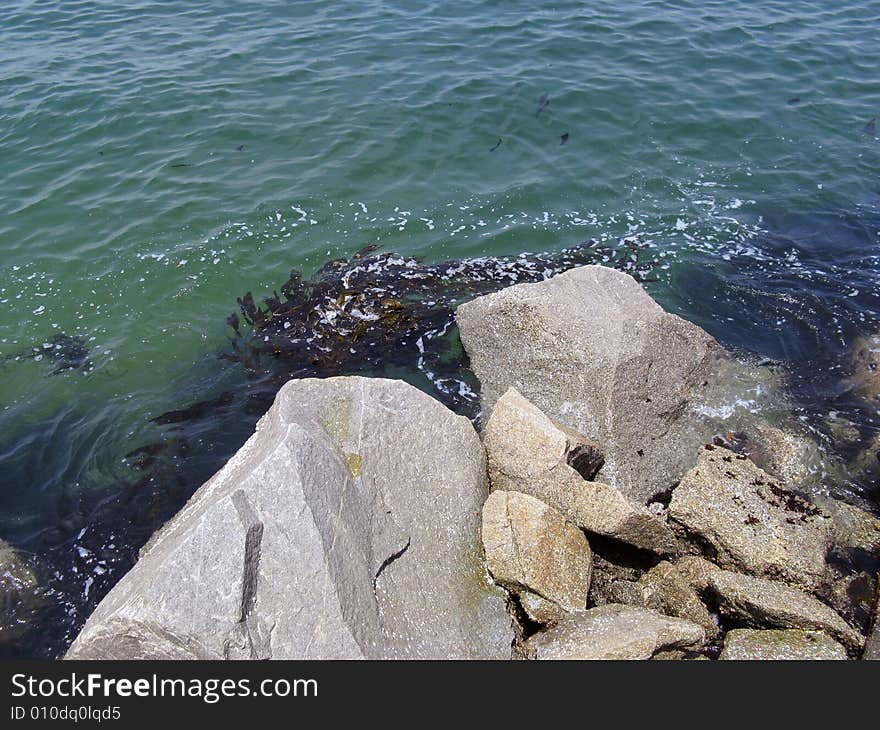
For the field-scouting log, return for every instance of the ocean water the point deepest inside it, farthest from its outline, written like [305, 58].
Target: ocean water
[159, 160]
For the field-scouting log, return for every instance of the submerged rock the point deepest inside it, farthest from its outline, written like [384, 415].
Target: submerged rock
[774, 645]
[749, 522]
[346, 527]
[591, 348]
[531, 546]
[865, 363]
[769, 604]
[18, 593]
[529, 452]
[614, 632]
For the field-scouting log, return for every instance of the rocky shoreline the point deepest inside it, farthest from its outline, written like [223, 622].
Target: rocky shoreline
[631, 495]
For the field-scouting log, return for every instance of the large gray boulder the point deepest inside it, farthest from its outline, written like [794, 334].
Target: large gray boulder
[529, 452]
[614, 632]
[348, 526]
[590, 347]
[749, 521]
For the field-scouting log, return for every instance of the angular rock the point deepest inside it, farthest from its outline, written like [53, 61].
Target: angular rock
[696, 571]
[614, 632]
[774, 645]
[749, 520]
[791, 457]
[539, 609]
[530, 546]
[850, 527]
[668, 591]
[591, 348]
[346, 527]
[762, 603]
[530, 453]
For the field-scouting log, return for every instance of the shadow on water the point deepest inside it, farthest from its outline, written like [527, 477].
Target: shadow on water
[799, 295]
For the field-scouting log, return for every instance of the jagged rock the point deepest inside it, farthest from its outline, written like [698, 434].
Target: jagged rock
[614, 632]
[591, 348]
[749, 521]
[762, 603]
[749, 644]
[529, 545]
[18, 593]
[696, 571]
[346, 527]
[539, 609]
[791, 457]
[530, 453]
[850, 527]
[668, 591]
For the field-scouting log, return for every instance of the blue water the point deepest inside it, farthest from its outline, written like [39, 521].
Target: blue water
[161, 159]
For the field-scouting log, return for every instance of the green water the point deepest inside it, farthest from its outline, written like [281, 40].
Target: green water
[160, 159]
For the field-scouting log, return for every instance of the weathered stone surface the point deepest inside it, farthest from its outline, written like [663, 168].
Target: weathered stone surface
[614, 632]
[668, 591]
[531, 546]
[591, 348]
[749, 644]
[850, 527]
[696, 571]
[18, 593]
[749, 520]
[539, 609]
[346, 527]
[761, 603]
[530, 453]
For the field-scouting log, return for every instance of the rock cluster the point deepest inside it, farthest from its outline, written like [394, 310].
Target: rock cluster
[610, 511]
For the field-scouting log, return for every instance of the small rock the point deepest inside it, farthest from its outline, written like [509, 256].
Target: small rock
[18, 593]
[850, 527]
[529, 545]
[791, 457]
[530, 453]
[666, 590]
[746, 644]
[539, 609]
[749, 520]
[696, 571]
[614, 632]
[764, 603]
[852, 596]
